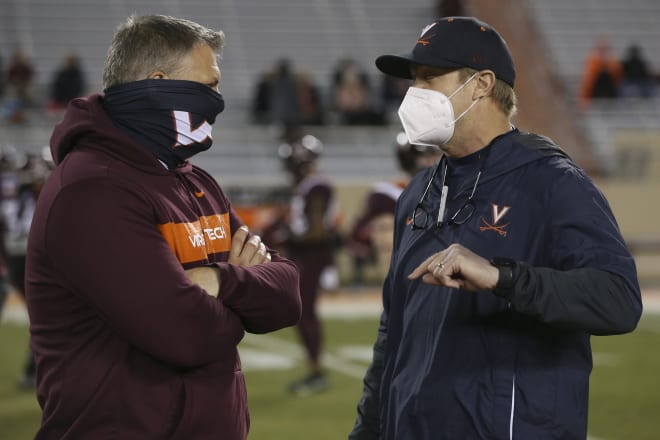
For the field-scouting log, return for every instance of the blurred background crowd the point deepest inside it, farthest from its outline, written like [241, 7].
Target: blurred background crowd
[588, 73]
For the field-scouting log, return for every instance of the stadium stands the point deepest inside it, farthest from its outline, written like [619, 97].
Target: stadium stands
[314, 35]
[571, 28]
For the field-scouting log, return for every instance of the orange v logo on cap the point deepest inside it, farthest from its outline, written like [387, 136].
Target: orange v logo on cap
[424, 40]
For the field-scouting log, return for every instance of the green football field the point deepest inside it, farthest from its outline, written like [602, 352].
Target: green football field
[625, 395]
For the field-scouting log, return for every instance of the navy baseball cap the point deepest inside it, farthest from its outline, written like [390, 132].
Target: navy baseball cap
[455, 42]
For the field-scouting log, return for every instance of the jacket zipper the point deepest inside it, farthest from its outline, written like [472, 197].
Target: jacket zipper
[513, 406]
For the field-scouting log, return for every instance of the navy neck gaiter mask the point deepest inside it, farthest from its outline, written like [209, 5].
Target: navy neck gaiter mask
[171, 118]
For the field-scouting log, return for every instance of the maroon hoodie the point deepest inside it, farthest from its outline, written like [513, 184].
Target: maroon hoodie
[126, 346]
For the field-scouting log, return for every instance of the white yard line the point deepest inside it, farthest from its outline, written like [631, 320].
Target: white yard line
[278, 345]
[14, 314]
[349, 306]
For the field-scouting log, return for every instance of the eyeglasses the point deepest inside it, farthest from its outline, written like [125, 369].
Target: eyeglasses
[420, 216]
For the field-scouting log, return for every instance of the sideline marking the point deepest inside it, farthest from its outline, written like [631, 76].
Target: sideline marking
[261, 360]
[295, 351]
[361, 353]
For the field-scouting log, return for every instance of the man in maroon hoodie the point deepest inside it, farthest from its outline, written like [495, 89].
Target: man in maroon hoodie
[141, 280]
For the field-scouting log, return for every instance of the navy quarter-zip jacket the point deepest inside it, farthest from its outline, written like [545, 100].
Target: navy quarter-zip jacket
[450, 364]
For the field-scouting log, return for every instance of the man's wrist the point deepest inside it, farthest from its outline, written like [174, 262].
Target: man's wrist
[507, 276]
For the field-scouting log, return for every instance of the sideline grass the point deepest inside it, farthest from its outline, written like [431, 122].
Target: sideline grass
[625, 397]
[277, 415]
[19, 411]
[624, 404]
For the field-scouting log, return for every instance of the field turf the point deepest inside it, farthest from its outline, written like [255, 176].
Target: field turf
[625, 395]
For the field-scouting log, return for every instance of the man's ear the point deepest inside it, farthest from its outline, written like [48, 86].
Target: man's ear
[157, 75]
[485, 83]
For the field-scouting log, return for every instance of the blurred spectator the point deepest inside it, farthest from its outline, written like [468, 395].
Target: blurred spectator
[602, 74]
[308, 236]
[393, 91]
[283, 96]
[20, 74]
[311, 106]
[261, 99]
[637, 77]
[68, 83]
[287, 99]
[276, 99]
[450, 8]
[21, 189]
[370, 240]
[351, 95]
[2, 77]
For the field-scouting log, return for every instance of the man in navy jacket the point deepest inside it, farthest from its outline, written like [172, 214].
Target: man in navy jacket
[507, 258]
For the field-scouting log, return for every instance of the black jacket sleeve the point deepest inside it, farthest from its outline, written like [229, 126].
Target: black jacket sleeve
[586, 299]
[586, 279]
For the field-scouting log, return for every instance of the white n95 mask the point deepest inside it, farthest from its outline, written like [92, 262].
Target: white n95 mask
[427, 115]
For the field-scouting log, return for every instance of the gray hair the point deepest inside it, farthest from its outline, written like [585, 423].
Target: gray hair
[149, 43]
[503, 93]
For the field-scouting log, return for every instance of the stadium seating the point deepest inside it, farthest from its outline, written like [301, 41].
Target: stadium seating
[571, 28]
[314, 35]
